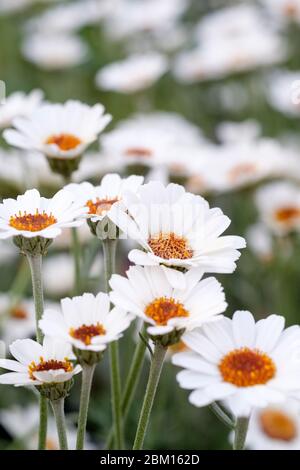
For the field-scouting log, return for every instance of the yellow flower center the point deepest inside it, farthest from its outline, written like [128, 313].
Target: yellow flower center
[51, 364]
[287, 214]
[246, 367]
[101, 206]
[85, 333]
[278, 425]
[18, 313]
[170, 246]
[32, 222]
[64, 141]
[138, 152]
[163, 309]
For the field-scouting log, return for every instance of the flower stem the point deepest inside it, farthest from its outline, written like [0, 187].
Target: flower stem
[240, 435]
[77, 261]
[109, 251]
[35, 263]
[86, 384]
[131, 384]
[59, 414]
[154, 375]
[220, 413]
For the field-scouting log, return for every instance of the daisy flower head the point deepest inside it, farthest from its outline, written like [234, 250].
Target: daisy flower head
[38, 219]
[278, 204]
[62, 132]
[177, 229]
[245, 364]
[150, 294]
[276, 427]
[39, 364]
[86, 323]
[19, 104]
[99, 200]
[133, 74]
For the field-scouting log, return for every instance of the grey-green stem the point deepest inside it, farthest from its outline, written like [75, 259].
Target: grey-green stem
[240, 434]
[59, 415]
[154, 375]
[86, 384]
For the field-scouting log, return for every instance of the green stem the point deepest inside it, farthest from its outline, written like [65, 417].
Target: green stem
[77, 261]
[59, 414]
[241, 429]
[131, 384]
[154, 375]
[35, 263]
[109, 252]
[86, 384]
[217, 410]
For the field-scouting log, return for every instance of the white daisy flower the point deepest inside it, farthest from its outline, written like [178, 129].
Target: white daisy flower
[176, 229]
[286, 10]
[137, 72]
[38, 364]
[31, 215]
[86, 322]
[54, 51]
[278, 204]
[19, 104]
[149, 294]
[283, 91]
[245, 364]
[276, 427]
[59, 130]
[260, 241]
[99, 200]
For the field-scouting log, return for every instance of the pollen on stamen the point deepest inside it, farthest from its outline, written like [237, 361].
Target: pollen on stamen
[85, 333]
[32, 222]
[101, 206]
[64, 141]
[51, 364]
[246, 367]
[170, 246]
[161, 310]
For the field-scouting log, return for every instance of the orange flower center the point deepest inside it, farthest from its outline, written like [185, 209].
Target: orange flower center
[101, 206]
[170, 246]
[85, 333]
[178, 347]
[278, 425]
[290, 9]
[287, 214]
[32, 222]
[245, 367]
[51, 364]
[163, 309]
[51, 444]
[138, 152]
[18, 313]
[64, 141]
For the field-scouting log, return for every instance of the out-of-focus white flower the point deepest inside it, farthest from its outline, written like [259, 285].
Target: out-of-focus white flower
[22, 424]
[149, 294]
[17, 320]
[259, 240]
[59, 130]
[276, 427]
[31, 215]
[54, 51]
[65, 240]
[286, 10]
[152, 140]
[38, 364]
[176, 229]
[231, 40]
[99, 200]
[10, 159]
[13, 6]
[7, 251]
[132, 16]
[70, 17]
[245, 364]
[283, 92]
[278, 204]
[19, 104]
[137, 72]
[86, 322]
